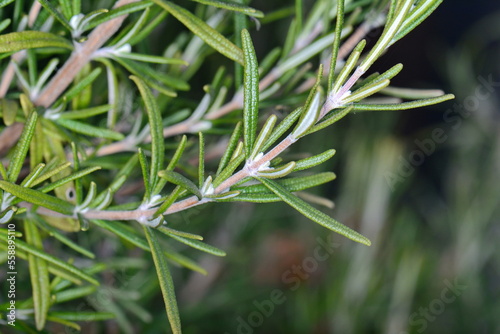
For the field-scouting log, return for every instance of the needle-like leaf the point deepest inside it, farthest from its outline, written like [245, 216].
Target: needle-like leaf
[156, 127]
[53, 10]
[39, 275]
[165, 279]
[58, 264]
[76, 175]
[231, 146]
[116, 12]
[404, 105]
[22, 147]
[339, 24]
[123, 231]
[251, 93]
[208, 34]
[197, 244]
[180, 180]
[17, 41]
[38, 198]
[4, 3]
[89, 130]
[233, 7]
[201, 160]
[313, 213]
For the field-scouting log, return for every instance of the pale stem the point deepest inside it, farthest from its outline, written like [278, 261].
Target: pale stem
[185, 203]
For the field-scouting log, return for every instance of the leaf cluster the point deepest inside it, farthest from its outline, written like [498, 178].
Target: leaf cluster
[115, 115]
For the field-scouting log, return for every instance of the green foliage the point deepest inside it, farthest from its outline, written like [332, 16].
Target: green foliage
[87, 145]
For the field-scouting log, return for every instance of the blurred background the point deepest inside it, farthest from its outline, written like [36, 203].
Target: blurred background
[422, 185]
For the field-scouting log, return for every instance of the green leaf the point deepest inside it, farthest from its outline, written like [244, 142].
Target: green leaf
[38, 198]
[3, 172]
[66, 323]
[185, 262]
[64, 239]
[89, 130]
[312, 213]
[254, 198]
[306, 53]
[291, 184]
[173, 163]
[35, 172]
[80, 85]
[83, 316]
[119, 179]
[180, 180]
[418, 14]
[311, 109]
[39, 275]
[260, 194]
[76, 6]
[197, 244]
[17, 41]
[153, 79]
[375, 77]
[170, 231]
[56, 262]
[339, 24]
[264, 134]
[73, 176]
[251, 93]
[4, 3]
[201, 160]
[66, 8]
[314, 160]
[74, 293]
[349, 65]
[365, 91]
[165, 280]
[59, 17]
[123, 231]
[152, 59]
[390, 30]
[282, 127]
[118, 11]
[156, 128]
[7, 214]
[211, 36]
[22, 147]
[404, 105]
[331, 118]
[231, 146]
[9, 109]
[228, 171]
[233, 7]
[49, 171]
[89, 198]
[143, 32]
[412, 94]
[278, 172]
[85, 113]
[44, 75]
[168, 201]
[126, 35]
[145, 174]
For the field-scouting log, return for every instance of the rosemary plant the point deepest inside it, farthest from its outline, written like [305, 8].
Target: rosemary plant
[88, 103]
